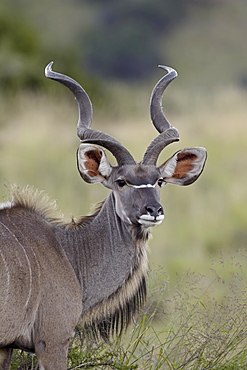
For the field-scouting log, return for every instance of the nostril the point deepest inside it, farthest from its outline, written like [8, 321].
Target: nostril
[154, 210]
[160, 211]
[150, 210]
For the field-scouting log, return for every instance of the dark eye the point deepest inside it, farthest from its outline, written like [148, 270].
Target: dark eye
[121, 183]
[160, 182]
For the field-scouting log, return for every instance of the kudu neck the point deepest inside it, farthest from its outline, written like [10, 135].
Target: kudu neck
[104, 253]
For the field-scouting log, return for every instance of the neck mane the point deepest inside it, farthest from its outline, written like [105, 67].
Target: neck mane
[108, 256]
[110, 261]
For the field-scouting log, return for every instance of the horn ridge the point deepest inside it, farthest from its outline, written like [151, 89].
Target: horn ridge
[156, 110]
[168, 133]
[83, 100]
[158, 144]
[84, 132]
[121, 154]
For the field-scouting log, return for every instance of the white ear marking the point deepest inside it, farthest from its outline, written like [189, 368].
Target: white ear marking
[93, 164]
[170, 166]
[104, 167]
[184, 167]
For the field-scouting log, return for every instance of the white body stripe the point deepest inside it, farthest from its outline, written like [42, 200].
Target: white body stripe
[27, 259]
[6, 205]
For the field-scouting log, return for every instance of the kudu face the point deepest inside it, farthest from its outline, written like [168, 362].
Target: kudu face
[137, 194]
[136, 186]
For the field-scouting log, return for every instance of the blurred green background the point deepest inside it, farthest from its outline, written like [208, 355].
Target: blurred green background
[113, 48]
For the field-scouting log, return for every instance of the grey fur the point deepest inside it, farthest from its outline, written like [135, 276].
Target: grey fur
[54, 274]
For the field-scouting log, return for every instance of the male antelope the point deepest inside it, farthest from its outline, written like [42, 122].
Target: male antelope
[54, 274]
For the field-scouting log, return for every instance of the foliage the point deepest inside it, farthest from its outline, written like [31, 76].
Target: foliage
[195, 332]
[20, 48]
[125, 41]
[24, 55]
[23, 361]
[121, 40]
[193, 321]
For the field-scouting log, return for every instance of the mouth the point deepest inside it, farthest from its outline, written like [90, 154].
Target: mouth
[150, 221]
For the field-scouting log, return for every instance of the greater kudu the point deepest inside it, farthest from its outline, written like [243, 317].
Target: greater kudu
[54, 274]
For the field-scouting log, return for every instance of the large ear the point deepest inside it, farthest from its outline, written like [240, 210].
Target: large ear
[93, 164]
[184, 167]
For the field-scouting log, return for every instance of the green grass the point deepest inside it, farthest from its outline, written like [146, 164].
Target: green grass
[195, 316]
[186, 329]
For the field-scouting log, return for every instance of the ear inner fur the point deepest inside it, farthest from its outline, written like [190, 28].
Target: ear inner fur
[184, 164]
[93, 161]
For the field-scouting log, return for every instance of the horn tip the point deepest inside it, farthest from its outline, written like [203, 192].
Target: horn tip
[48, 69]
[169, 70]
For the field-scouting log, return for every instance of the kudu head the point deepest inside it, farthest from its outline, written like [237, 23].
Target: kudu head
[136, 186]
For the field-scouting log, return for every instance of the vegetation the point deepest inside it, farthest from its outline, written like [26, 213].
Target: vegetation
[195, 317]
[188, 330]
[114, 40]
[125, 42]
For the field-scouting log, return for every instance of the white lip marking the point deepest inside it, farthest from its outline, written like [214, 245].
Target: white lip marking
[148, 220]
[160, 218]
[152, 218]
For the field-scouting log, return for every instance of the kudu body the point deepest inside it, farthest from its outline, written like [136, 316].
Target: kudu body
[53, 275]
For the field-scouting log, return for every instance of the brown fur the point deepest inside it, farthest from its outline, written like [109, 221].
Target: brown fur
[93, 162]
[184, 164]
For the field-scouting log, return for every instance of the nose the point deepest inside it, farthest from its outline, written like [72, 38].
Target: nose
[155, 210]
